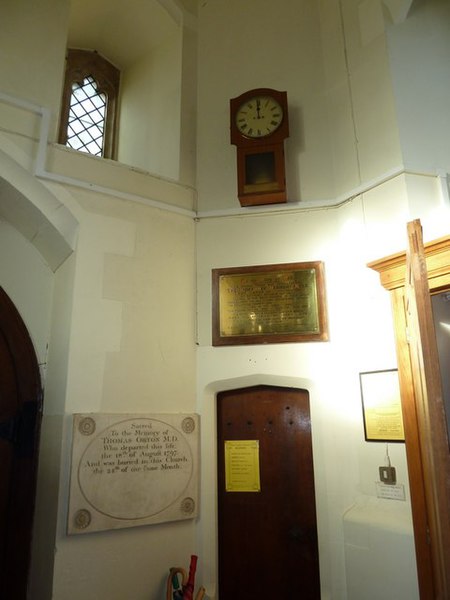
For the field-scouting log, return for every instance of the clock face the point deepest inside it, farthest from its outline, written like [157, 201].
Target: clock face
[259, 116]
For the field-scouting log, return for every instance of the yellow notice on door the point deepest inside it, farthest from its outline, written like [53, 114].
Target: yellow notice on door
[242, 466]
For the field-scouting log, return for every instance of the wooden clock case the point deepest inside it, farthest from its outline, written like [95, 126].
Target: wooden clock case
[260, 161]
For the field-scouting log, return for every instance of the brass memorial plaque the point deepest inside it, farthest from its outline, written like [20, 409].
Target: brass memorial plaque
[269, 304]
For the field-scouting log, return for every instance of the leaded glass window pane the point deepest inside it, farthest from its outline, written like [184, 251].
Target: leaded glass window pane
[87, 114]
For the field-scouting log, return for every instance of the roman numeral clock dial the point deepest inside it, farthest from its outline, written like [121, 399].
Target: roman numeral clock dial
[259, 126]
[259, 117]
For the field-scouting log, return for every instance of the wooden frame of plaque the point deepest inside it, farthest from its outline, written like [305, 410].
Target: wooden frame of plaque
[269, 304]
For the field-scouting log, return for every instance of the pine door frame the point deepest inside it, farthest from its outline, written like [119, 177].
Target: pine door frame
[393, 275]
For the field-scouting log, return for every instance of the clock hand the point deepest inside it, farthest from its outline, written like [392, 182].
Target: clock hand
[258, 107]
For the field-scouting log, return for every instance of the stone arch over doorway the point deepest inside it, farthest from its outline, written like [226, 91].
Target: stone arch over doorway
[36, 213]
[40, 237]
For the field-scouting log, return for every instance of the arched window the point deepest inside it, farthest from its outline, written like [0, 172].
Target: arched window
[89, 104]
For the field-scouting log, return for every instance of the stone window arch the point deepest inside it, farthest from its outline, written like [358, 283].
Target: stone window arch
[89, 103]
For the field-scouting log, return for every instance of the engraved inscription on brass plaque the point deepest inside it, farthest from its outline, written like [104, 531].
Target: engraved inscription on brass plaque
[269, 304]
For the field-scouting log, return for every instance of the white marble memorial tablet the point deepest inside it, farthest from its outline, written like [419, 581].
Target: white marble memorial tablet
[130, 470]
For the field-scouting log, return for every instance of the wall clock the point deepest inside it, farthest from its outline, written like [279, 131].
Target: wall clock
[259, 125]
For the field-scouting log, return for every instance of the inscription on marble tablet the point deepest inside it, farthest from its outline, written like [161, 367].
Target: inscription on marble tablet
[130, 470]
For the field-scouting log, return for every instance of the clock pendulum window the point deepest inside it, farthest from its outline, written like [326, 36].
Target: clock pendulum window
[259, 126]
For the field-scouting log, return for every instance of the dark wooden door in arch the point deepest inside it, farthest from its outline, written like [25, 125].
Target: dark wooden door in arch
[267, 539]
[20, 417]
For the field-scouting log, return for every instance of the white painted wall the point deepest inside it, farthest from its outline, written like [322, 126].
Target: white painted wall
[346, 142]
[149, 127]
[32, 64]
[251, 45]
[131, 350]
[120, 312]
[146, 41]
[32, 51]
[48, 507]
[420, 65]
[361, 339]
[332, 60]
[32, 293]
[118, 318]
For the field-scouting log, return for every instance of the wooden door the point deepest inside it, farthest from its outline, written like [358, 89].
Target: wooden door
[268, 538]
[20, 409]
[431, 417]
[426, 439]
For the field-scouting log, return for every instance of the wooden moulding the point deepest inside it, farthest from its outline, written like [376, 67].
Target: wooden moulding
[392, 269]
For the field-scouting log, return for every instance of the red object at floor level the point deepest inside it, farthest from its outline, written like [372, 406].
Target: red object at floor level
[188, 589]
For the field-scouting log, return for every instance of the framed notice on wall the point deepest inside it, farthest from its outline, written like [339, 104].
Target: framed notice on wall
[269, 304]
[382, 409]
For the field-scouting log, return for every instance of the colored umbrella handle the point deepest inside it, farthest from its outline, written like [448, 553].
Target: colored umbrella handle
[174, 571]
